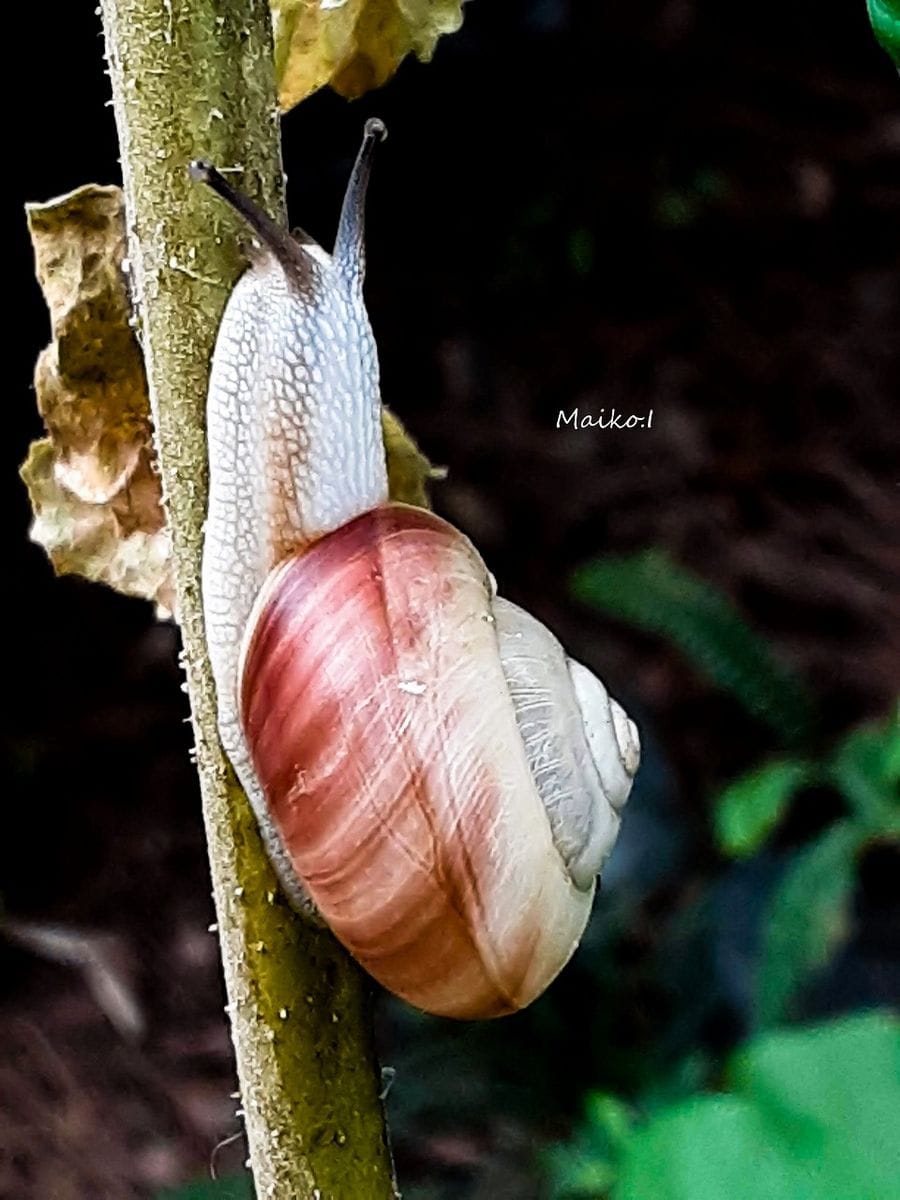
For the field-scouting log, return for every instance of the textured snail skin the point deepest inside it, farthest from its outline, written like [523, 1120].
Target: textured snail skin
[293, 423]
[381, 731]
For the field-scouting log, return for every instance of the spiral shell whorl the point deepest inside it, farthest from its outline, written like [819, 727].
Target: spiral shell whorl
[582, 750]
[611, 734]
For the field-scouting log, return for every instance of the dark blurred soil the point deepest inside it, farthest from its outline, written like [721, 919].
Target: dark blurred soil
[657, 205]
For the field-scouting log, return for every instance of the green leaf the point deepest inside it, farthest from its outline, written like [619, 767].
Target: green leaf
[409, 471]
[610, 1119]
[813, 1116]
[708, 1148]
[747, 811]
[866, 768]
[885, 18]
[235, 1187]
[832, 1093]
[577, 1173]
[588, 1166]
[652, 592]
[807, 920]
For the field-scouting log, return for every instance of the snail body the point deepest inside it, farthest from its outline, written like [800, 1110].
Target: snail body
[429, 771]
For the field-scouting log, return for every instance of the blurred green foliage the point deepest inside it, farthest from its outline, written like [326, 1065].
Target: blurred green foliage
[885, 18]
[234, 1187]
[864, 769]
[806, 920]
[808, 1114]
[809, 914]
[654, 593]
[680, 207]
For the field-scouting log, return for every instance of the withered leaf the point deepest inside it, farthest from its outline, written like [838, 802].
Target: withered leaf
[353, 45]
[92, 481]
[409, 471]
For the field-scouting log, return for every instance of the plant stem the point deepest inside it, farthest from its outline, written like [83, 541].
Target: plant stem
[194, 78]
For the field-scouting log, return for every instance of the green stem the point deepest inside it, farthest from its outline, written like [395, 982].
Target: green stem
[194, 78]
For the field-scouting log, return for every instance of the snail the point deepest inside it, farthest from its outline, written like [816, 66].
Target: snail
[429, 771]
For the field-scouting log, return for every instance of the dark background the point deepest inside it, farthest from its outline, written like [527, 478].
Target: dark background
[680, 205]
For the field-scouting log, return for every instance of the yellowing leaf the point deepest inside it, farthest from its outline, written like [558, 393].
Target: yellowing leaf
[92, 481]
[408, 469]
[102, 542]
[354, 45]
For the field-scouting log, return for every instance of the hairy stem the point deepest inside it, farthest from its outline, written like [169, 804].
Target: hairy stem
[194, 79]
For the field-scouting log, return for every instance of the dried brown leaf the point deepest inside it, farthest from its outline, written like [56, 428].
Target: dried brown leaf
[354, 45]
[92, 481]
